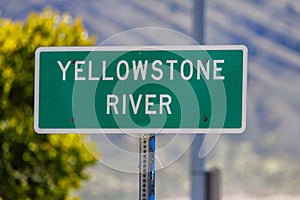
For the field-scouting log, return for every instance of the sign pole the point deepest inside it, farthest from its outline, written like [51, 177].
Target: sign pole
[198, 186]
[147, 167]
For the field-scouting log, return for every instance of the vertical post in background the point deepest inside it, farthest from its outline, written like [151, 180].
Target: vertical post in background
[147, 167]
[198, 187]
[198, 21]
[198, 174]
[213, 182]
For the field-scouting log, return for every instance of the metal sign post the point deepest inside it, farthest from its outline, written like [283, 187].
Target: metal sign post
[147, 167]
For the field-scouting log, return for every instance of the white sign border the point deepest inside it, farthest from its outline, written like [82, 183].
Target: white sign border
[140, 130]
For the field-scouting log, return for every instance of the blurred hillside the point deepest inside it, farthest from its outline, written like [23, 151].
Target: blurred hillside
[263, 160]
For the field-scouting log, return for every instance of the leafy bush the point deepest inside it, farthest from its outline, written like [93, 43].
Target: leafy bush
[35, 166]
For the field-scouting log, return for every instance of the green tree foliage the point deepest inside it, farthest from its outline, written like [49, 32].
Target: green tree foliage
[35, 166]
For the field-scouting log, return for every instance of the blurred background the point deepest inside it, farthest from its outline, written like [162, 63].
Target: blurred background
[262, 163]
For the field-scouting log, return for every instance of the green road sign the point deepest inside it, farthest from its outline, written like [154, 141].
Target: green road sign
[141, 89]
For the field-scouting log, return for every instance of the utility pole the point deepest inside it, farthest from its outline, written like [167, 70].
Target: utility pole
[198, 175]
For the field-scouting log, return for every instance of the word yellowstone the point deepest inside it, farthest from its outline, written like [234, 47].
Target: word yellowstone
[140, 68]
